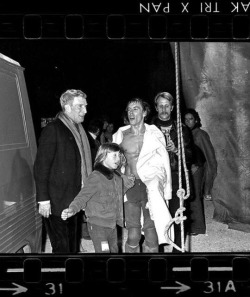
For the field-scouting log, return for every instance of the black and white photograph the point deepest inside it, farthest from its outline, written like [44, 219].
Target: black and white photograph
[130, 82]
[124, 148]
[174, 110]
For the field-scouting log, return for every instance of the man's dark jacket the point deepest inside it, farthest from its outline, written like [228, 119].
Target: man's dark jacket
[57, 168]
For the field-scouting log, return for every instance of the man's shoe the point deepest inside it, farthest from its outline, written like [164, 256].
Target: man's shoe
[208, 197]
[86, 237]
[193, 234]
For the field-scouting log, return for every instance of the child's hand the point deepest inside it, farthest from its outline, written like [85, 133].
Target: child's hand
[129, 180]
[67, 213]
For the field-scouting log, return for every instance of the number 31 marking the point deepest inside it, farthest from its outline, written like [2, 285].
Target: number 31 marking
[52, 289]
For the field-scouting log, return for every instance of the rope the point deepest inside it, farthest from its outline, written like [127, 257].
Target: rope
[179, 217]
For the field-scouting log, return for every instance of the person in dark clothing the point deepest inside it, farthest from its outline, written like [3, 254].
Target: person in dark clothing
[93, 131]
[203, 171]
[104, 124]
[62, 164]
[164, 104]
[202, 140]
[102, 199]
[106, 136]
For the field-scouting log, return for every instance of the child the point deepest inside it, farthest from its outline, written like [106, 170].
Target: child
[102, 199]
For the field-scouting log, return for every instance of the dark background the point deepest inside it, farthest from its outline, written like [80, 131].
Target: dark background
[109, 72]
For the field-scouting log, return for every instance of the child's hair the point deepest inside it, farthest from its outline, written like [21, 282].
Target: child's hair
[104, 149]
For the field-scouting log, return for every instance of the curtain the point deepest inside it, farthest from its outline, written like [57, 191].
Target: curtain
[215, 80]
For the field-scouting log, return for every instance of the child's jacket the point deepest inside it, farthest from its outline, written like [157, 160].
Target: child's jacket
[102, 198]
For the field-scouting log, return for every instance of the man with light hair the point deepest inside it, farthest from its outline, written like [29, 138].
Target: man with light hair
[164, 105]
[62, 164]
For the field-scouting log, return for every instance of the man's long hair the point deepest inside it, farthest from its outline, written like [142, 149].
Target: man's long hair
[145, 106]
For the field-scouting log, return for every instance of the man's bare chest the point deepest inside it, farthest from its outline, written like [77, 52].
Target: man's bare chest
[132, 143]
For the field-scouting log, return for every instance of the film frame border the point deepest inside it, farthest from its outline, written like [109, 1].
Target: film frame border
[217, 274]
[121, 270]
[197, 27]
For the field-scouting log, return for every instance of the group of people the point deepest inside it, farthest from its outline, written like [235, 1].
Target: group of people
[129, 180]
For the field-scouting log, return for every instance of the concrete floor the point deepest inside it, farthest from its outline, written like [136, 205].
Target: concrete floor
[218, 238]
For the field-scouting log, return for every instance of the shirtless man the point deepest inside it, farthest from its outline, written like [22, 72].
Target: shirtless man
[132, 138]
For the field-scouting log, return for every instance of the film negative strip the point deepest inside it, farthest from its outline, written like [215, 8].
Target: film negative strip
[126, 275]
[215, 274]
[169, 27]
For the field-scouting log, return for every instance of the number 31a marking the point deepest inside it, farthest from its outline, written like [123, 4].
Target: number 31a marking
[211, 287]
